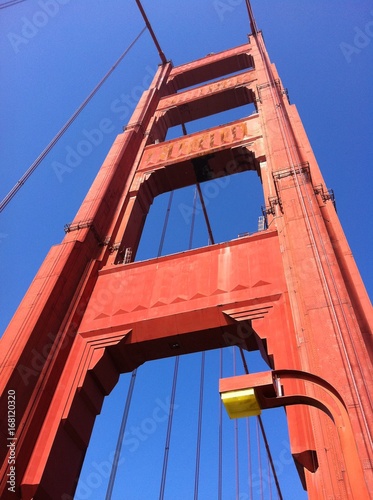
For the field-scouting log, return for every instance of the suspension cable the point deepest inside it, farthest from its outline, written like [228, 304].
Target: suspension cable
[193, 219]
[253, 26]
[176, 367]
[152, 34]
[169, 429]
[199, 431]
[236, 461]
[211, 237]
[61, 132]
[10, 3]
[269, 455]
[199, 190]
[259, 459]
[269, 478]
[118, 448]
[220, 460]
[202, 377]
[165, 224]
[200, 409]
[249, 463]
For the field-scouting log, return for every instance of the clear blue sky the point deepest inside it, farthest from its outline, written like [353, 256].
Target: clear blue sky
[50, 61]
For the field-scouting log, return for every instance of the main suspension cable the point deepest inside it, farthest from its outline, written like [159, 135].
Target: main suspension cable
[10, 3]
[61, 132]
[253, 26]
[151, 31]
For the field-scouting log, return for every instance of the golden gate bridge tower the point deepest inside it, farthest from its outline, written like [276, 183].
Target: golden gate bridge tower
[292, 288]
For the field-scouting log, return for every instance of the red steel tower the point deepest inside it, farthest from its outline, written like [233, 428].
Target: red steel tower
[92, 313]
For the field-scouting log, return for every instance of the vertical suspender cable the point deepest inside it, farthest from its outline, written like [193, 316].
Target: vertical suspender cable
[176, 367]
[169, 428]
[249, 463]
[121, 436]
[269, 479]
[202, 377]
[199, 432]
[211, 237]
[269, 455]
[259, 459]
[237, 475]
[263, 432]
[198, 187]
[193, 220]
[220, 460]
[237, 463]
[165, 224]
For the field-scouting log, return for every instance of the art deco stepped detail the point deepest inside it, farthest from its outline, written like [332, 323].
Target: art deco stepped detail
[92, 313]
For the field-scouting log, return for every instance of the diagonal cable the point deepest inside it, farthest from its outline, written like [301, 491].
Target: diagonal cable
[58, 136]
[10, 3]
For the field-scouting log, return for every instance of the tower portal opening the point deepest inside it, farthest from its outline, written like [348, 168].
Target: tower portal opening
[233, 204]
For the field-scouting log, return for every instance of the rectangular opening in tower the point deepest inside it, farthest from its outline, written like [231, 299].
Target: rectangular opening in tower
[210, 68]
[211, 120]
[233, 204]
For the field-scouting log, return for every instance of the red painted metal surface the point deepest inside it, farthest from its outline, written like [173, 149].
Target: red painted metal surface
[239, 133]
[276, 388]
[292, 291]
